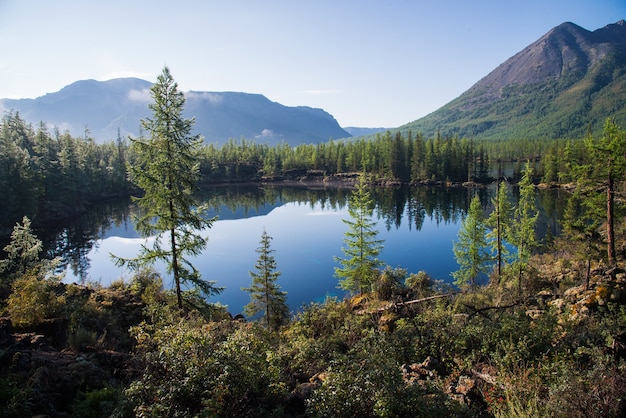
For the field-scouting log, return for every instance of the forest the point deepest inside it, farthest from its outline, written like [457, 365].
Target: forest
[543, 337]
[49, 176]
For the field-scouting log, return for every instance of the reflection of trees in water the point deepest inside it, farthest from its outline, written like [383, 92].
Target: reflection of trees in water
[73, 240]
[442, 204]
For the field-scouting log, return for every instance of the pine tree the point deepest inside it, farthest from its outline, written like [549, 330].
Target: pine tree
[166, 168]
[471, 250]
[265, 294]
[500, 222]
[362, 248]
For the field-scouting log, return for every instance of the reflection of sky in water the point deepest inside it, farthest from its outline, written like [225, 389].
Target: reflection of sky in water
[305, 241]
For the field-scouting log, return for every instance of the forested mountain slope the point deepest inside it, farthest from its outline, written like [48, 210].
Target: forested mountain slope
[557, 87]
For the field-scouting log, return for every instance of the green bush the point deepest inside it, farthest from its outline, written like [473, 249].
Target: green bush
[34, 298]
[99, 403]
[223, 369]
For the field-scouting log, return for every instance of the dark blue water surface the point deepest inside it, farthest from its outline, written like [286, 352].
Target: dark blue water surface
[418, 227]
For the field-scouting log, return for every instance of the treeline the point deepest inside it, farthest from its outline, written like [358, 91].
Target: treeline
[390, 157]
[48, 176]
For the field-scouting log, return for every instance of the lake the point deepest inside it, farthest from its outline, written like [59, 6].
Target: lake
[418, 226]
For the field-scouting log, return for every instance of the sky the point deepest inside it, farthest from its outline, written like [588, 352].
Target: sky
[368, 63]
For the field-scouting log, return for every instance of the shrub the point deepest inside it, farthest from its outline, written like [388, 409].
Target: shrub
[34, 298]
[99, 403]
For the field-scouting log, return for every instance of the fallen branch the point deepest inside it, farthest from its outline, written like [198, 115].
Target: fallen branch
[396, 305]
[481, 311]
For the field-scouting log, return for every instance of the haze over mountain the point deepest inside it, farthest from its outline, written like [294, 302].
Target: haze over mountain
[103, 107]
[557, 87]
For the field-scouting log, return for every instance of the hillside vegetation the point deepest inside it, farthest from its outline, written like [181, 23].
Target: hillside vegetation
[544, 337]
[558, 87]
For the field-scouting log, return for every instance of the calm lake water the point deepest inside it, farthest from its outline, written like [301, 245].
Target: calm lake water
[418, 226]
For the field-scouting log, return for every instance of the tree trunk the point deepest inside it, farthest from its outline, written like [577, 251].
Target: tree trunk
[610, 233]
[179, 297]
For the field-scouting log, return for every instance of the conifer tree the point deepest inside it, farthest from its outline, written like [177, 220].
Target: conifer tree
[606, 168]
[581, 225]
[526, 215]
[166, 168]
[265, 294]
[500, 222]
[22, 255]
[359, 268]
[23, 250]
[471, 250]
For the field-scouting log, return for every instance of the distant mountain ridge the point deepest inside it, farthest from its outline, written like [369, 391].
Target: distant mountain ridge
[100, 108]
[570, 79]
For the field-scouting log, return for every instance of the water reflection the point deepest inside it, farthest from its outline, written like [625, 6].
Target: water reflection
[417, 224]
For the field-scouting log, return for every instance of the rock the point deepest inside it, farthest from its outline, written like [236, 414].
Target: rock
[534, 313]
[465, 385]
[432, 364]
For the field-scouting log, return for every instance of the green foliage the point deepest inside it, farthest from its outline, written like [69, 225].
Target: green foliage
[22, 255]
[526, 215]
[390, 283]
[606, 167]
[359, 268]
[166, 168]
[15, 401]
[50, 176]
[266, 296]
[558, 107]
[471, 250]
[368, 383]
[34, 298]
[220, 370]
[99, 403]
[500, 221]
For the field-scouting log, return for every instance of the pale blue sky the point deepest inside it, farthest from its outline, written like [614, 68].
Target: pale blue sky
[368, 63]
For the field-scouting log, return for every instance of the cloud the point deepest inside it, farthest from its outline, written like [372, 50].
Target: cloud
[320, 92]
[265, 133]
[141, 96]
[213, 98]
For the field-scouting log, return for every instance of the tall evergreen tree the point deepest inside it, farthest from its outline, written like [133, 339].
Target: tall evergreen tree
[471, 249]
[265, 294]
[500, 222]
[359, 268]
[166, 168]
[526, 215]
[606, 168]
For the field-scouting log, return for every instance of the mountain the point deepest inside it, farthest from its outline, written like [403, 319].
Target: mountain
[103, 107]
[356, 131]
[569, 80]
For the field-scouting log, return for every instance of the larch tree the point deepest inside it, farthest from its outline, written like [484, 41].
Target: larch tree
[265, 294]
[471, 249]
[525, 218]
[360, 267]
[607, 167]
[166, 168]
[500, 222]
[581, 227]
